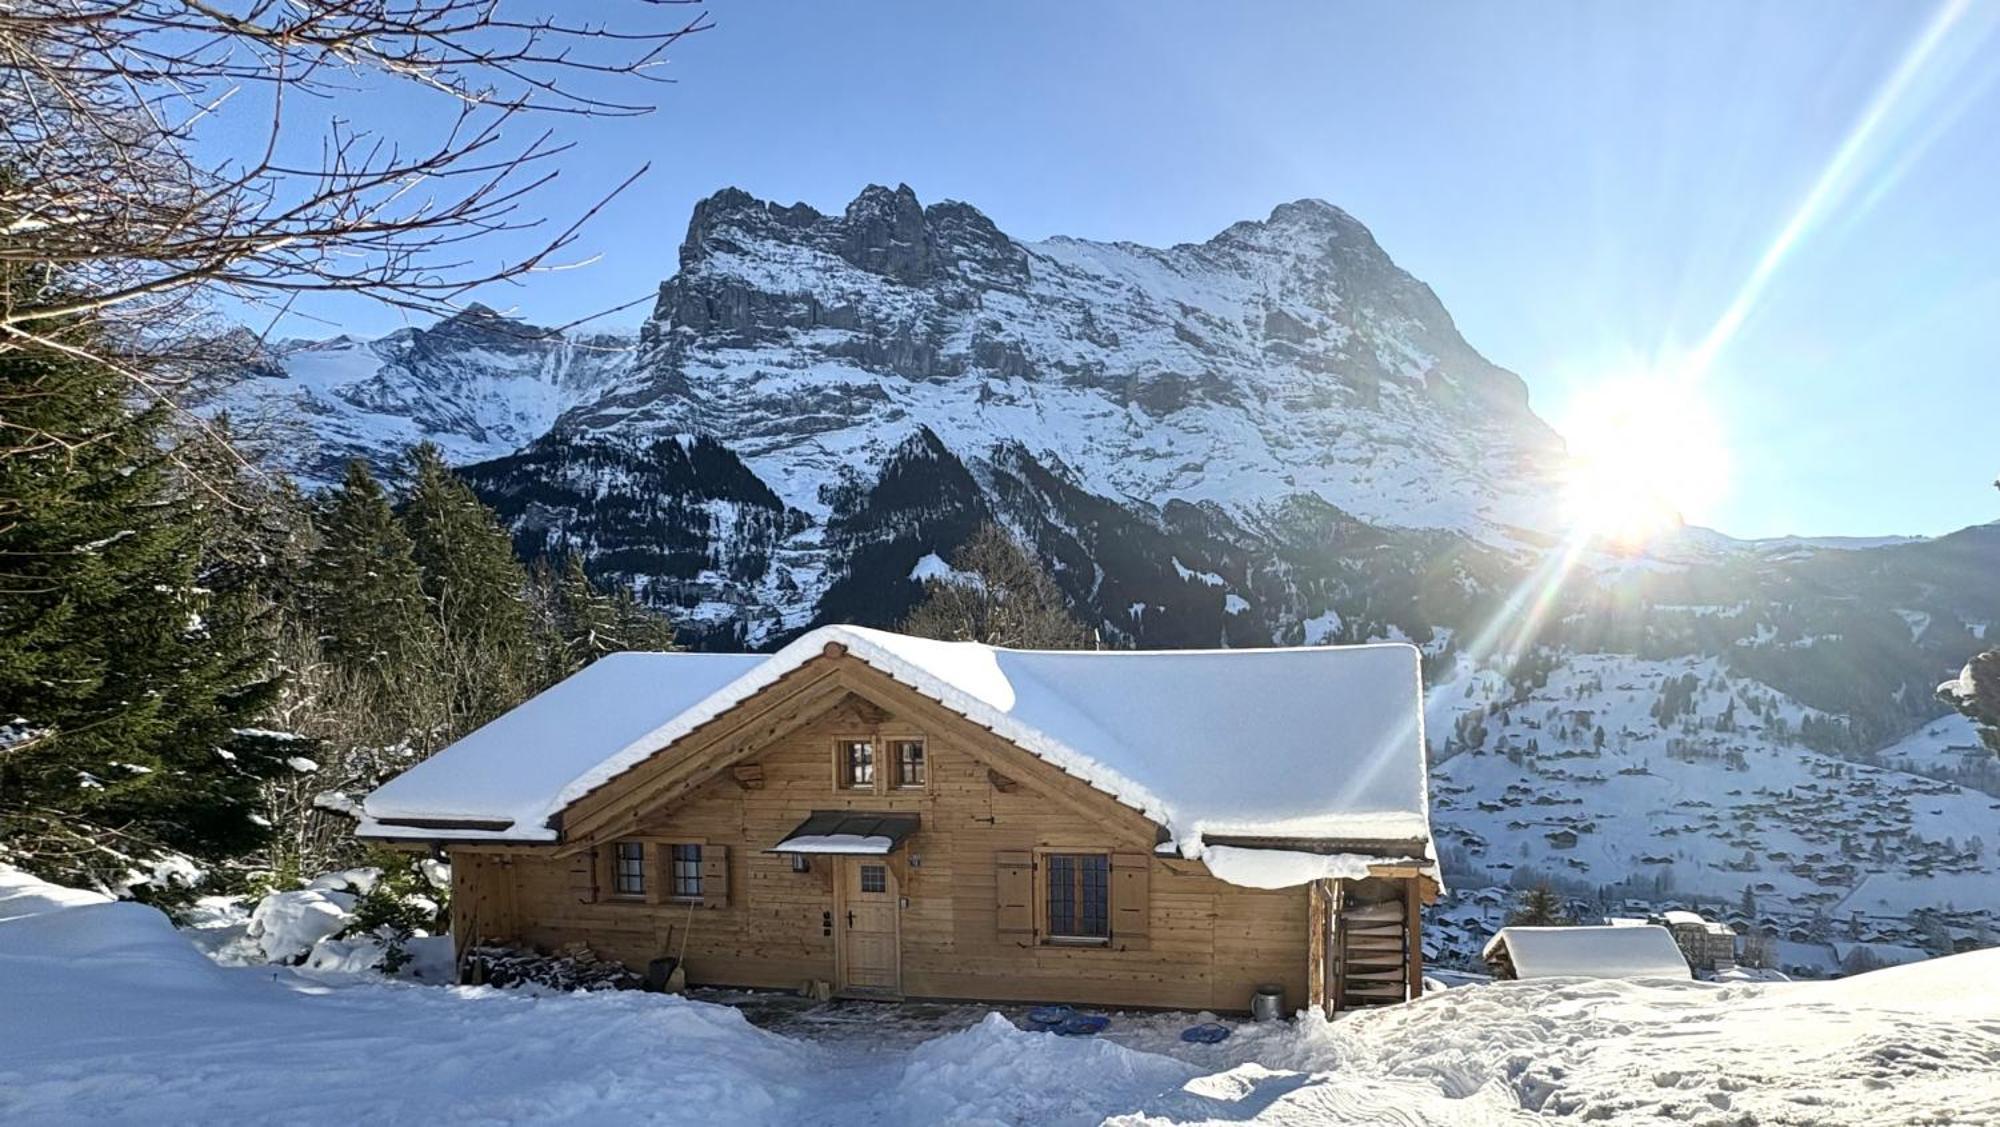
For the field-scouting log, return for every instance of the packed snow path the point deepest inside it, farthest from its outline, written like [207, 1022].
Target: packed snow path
[110, 1016]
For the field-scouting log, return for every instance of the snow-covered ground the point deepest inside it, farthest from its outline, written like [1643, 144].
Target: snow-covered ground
[111, 1016]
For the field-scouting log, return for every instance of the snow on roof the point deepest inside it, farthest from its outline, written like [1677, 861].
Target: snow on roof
[507, 771]
[1647, 951]
[1322, 743]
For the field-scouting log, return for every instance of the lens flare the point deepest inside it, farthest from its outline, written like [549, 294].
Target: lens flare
[1645, 454]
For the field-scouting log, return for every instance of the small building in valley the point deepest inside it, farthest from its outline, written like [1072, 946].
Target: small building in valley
[1709, 947]
[899, 817]
[1608, 951]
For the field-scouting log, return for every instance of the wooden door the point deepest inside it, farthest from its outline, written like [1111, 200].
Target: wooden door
[871, 953]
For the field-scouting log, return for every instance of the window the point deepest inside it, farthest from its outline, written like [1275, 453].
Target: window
[874, 878]
[857, 764]
[628, 868]
[909, 763]
[1079, 896]
[686, 883]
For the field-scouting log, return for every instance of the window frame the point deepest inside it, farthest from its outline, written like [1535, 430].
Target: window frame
[672, 889]
[843, 764]
[923, 762]
[1045, 886]
[619, 872]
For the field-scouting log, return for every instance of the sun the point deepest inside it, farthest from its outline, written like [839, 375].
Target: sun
[1645, 454]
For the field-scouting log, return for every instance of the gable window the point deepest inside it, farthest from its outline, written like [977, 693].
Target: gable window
[909, 763]
[1079, 896]
[628, 869]
[685, 882]
[857, 764]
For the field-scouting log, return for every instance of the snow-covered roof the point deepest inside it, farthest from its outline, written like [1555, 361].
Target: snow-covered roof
[1647, 951]
[507, 771]
[1317, 743]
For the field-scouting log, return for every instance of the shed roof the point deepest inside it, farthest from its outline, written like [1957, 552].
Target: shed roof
[1302, 744]
[1644, 951]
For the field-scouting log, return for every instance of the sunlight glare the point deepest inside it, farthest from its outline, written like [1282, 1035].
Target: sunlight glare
[1645, 453]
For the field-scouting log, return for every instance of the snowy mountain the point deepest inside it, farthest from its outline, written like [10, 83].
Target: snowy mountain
[1273, 436]
[478, 385]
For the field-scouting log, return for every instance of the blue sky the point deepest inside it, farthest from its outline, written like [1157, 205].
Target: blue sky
[1589, 188]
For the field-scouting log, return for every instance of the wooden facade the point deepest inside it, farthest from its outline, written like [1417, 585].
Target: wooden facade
[960, 909]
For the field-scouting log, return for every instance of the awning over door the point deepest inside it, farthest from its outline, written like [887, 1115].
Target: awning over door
[848, 831]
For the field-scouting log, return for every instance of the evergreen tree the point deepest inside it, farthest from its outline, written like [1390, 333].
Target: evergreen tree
[124, 671]
[576, 623]
[999, 595]
[1539, 907]
[475, 591]
[366, 595]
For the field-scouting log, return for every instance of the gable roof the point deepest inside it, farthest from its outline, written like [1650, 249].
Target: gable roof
[1309, 743]
[1644, 951]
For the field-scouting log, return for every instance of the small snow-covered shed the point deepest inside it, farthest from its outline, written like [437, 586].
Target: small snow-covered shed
[906, 817]
[1608, 951]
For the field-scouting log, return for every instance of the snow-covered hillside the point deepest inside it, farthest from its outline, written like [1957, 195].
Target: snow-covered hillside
[478, 385]
[1676, 780]
[113, 1018]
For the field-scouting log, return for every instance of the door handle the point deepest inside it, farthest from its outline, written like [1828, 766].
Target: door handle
[850, 920]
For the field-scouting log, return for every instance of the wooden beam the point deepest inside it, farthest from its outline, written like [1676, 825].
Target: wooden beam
[1414, 928]
[1336, 902]
[1318, 922]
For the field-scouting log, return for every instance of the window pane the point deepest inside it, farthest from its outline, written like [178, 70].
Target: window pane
[1096, 895]
[628, 868]
[1062, 894]
[687, 871]
[874, 878]
[910, 763]
[860, 757]
[1079, 889]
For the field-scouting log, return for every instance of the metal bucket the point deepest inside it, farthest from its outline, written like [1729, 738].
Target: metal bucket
[1268, 1003]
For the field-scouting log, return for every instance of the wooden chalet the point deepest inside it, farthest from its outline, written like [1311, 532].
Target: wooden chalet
[903, 818]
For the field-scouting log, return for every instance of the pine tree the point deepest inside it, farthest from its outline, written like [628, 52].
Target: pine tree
[365, 594]
[475, 591]
[999, 595]
[1539, 907]
[576, 623]
[124, 672]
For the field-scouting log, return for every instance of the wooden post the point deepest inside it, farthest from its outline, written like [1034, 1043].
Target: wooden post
[1318, 922]
[1339, 900]
[1414, 934]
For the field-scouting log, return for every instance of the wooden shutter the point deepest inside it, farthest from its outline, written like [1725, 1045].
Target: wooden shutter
[1014, 894]
[583, 876]
[1131, 900]
[715, 876]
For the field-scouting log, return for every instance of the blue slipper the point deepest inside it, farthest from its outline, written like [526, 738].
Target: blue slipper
[1042, 1019]
[1083, 1025]
[1207, 1033]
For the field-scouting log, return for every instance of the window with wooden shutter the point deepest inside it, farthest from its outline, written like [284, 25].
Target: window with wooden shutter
[715, 876]
[1014, 894]
[1131, 900]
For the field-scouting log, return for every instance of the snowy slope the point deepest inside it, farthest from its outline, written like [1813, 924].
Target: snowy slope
[479, 385]
[92, 1034]
[1716, 798]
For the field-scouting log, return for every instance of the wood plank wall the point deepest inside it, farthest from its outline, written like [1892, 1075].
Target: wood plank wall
[1208, 944]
